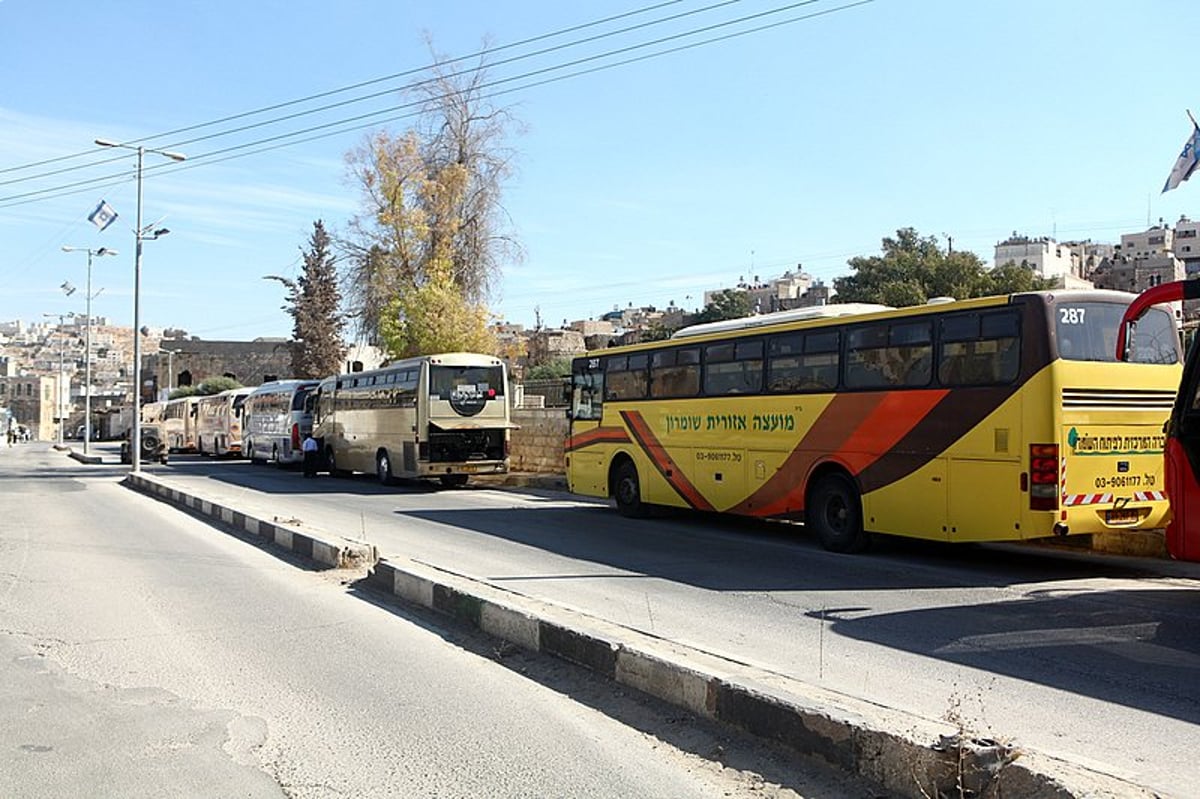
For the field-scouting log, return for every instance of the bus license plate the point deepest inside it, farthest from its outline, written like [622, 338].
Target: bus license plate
[1122, 516]
[467, 467]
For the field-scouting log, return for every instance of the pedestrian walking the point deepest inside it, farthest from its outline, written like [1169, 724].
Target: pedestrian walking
[311, 450]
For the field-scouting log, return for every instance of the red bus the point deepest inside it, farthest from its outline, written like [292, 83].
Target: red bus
[1182, 449]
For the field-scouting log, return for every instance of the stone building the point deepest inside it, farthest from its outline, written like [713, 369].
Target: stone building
[181, 362]
[31, 400]
[546, 345]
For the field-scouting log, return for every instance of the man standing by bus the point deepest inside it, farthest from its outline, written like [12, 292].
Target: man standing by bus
[310, 448]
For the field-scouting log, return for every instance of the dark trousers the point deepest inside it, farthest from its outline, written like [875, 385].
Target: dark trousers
[310, 463]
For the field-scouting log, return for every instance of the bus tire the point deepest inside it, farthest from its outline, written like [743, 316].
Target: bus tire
[454, 480]
[334, 471]
[383, 468]
[627, 491]
[834, 512]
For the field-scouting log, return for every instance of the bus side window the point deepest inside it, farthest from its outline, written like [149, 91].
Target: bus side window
[979, 349]
[625, 377]
[733, 368]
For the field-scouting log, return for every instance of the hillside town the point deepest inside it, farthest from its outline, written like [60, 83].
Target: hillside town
[44, 365]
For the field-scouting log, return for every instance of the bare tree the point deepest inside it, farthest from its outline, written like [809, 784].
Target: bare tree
[432, 206]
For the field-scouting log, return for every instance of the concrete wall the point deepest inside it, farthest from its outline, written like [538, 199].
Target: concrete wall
[538, 445]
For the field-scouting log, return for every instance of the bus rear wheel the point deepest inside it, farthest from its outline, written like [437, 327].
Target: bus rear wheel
[331, 462]
[834, 512]
[383, 468]
[627, 491]
[454, 480]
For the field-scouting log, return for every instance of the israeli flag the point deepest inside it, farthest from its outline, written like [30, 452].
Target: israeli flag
[1186, 164]
[103, 216]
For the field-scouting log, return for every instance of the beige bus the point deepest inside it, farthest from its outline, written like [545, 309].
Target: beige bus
[178, 418]
[219, 422]
[435, 416]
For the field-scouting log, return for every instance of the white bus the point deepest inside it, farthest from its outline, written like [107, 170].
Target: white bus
[178, 418]
[443, 416]
[219, 422]
[277, 417]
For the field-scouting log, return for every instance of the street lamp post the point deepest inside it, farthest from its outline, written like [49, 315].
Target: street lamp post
[140, 234]
[62, 354]
[87, 356]
[170, 368]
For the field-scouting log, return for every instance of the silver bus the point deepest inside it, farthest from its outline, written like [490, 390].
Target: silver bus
[277, 417]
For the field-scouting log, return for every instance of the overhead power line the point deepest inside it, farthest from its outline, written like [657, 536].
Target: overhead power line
[352, 87]
[360, 121]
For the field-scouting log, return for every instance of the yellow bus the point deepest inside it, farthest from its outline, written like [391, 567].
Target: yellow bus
[992, 419]
[435, 416]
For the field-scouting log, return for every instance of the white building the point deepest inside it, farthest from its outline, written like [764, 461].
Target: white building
[1047, 257]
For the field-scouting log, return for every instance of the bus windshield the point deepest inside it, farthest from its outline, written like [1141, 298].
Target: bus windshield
[1087, 331]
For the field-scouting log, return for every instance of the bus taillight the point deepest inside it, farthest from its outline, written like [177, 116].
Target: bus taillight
[295, 436]
[1043, 476]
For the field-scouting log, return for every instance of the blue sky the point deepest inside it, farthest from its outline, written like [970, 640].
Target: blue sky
[646, 183]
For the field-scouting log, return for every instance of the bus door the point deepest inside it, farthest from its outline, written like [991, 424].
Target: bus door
[1182, 447]
[585, 455]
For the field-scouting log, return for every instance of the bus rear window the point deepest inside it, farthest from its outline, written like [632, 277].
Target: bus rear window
[1087, 331]
[486, 380]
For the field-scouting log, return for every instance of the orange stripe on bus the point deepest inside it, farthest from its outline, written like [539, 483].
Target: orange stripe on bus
[892, 419]
[663, 461]
[601, 435]
[853, 429]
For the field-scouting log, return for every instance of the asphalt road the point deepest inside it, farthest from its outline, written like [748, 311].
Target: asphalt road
[145, 654]
[1094, 660]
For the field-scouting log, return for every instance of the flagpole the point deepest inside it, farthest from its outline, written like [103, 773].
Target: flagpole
[1189, 113]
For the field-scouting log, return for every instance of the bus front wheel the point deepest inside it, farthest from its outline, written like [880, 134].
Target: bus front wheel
[834, 512]
[627, 491]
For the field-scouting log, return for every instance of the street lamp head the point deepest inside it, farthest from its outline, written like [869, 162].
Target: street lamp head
[106, 251]
[162, 231]
[106, 143]
[173, 156]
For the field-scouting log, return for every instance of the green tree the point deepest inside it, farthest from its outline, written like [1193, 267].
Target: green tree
[313, 302]
[726, 304]
[558, 367]
[432, 235]
[433, 317]
[1013, 277]
[912, 270]
[215, 385]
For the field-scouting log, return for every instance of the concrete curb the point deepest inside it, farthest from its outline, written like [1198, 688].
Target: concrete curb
[89, 459]
[324, 549]
[909, 755]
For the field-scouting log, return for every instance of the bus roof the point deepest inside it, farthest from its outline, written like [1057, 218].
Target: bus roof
[284, 386]
[780, 317]
[804, 318]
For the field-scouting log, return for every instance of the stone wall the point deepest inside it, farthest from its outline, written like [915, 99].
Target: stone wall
[538, 445]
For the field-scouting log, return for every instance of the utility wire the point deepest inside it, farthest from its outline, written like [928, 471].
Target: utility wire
[211, 157]
[362, 84]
